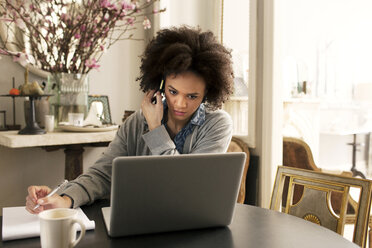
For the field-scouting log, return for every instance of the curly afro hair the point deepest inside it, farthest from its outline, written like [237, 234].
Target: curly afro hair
[177, 50]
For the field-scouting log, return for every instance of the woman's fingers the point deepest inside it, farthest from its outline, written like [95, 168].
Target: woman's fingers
[30, 205]
[34, 194]
[150, 94]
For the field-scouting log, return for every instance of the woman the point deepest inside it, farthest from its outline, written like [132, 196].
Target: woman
[198, 78]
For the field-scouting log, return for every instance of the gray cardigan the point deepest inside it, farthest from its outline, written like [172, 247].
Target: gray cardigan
[134, 139]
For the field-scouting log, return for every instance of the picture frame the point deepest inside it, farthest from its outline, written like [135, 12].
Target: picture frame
[103, 102]
[3, 120]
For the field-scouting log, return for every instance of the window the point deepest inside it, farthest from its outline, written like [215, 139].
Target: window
[237, 33]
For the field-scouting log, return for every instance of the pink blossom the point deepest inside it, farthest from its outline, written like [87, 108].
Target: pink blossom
[63, 17]
[87, 44]
[105, 3]
[130, 21]
[146, 23]
[92, 63]
[126, 5]
[103, 48]
[123, 14]
[155, 11]
[83, 28]
[77, 36]
[23, 58]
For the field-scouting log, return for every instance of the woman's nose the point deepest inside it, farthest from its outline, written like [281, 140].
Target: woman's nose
[181, 102]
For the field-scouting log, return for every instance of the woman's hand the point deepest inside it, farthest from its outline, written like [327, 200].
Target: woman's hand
[37, 195]
[152, 112]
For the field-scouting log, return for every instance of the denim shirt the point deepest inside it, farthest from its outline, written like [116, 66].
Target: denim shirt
[197, 119]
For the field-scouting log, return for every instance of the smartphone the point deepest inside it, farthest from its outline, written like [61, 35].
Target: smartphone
[161, 90]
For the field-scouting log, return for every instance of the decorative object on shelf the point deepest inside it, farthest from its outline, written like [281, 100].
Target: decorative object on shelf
[101, 107]
[70, 95]
[3, 120]
[41, 104]
[76, 119]
[31, 125]
[41, 109]
[49, 123]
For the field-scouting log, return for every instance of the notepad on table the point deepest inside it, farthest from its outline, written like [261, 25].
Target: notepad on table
[20, 224]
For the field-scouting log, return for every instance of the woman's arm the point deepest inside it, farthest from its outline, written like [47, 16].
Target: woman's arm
[96, 182]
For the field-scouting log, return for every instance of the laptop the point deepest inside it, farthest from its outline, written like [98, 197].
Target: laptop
[152, 194]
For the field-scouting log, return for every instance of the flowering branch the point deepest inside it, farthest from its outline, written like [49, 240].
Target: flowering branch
[71, 35]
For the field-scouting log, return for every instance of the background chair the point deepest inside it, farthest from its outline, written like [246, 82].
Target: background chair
[297, 154]
[237, 145]
[315, 203]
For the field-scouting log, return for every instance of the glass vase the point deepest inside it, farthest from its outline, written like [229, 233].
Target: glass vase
[70, 95]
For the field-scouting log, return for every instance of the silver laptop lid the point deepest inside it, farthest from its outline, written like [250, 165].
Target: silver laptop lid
[152, 194]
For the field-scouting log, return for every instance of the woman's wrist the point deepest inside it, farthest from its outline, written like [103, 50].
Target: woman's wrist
[67, 201]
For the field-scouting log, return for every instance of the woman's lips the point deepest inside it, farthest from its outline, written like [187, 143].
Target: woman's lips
[179, 113]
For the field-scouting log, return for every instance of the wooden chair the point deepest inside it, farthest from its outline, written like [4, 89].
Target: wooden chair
[237, 145]
[315, 204]
[297, 154]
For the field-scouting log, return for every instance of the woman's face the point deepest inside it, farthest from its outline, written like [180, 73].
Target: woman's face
[184, 93]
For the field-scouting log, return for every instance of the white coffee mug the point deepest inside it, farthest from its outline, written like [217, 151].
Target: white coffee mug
[58, 228]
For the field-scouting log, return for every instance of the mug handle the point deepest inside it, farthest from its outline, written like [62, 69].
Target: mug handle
[82, 232]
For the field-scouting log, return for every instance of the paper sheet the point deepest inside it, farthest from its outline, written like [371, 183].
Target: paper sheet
[19, 224]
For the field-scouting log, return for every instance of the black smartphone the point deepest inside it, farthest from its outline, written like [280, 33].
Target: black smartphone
[161, 90]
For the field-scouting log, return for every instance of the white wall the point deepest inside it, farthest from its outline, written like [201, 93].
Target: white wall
[205, 14]
[20, 168]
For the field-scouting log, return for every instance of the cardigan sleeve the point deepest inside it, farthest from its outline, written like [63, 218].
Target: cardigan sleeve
[96, 182]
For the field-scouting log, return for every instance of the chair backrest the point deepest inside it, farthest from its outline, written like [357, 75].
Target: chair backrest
[237, 145]
[297, 153]
[315, 204]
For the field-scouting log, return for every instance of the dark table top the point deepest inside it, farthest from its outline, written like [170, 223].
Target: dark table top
[252, 227]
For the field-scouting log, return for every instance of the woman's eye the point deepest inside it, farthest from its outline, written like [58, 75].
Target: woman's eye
[172, 92]
[192, 97]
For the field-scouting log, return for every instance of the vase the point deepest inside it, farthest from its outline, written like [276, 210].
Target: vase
[70, 95]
